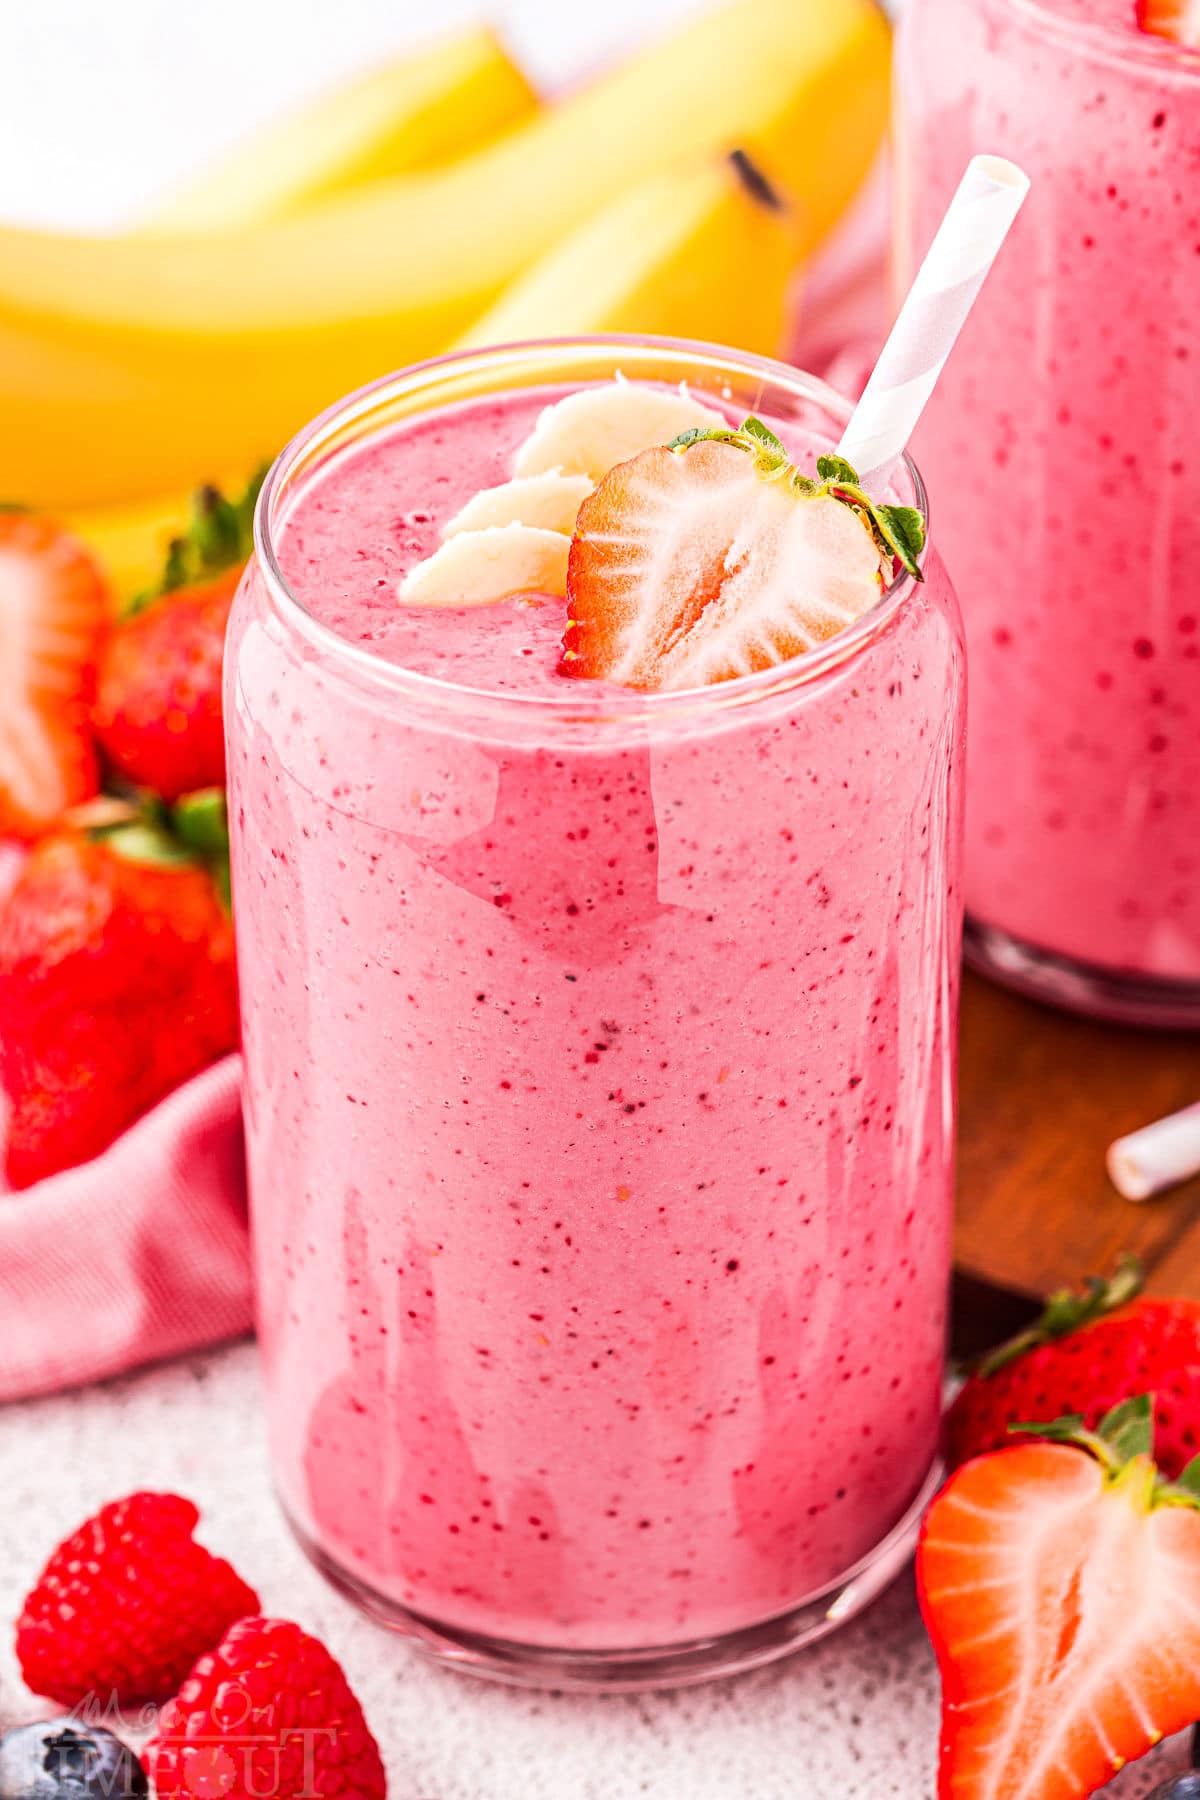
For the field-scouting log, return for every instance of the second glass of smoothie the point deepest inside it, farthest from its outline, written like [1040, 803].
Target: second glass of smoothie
[600, 1067]
[1061, 446]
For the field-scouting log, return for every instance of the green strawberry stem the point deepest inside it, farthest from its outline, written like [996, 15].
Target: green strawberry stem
[1067, 1312]
[898, 530]
[219, 536]
[1123, 1444]
[195, 830]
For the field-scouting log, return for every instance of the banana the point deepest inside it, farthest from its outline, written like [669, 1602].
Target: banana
[550, 500]
[413, 113]
[437, 103]
[700, 253]
[574, 444]
[477, 567]
[589, 432]
[129, 364]
[672, 258]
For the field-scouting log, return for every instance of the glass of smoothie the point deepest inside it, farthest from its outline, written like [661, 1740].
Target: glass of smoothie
[1069, 415]
[600, 1052]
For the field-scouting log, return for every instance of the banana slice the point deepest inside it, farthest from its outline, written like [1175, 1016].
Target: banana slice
[589, 432]
[474, 568]
[550, 501]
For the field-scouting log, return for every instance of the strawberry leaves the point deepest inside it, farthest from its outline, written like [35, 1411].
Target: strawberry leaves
[1067, 1312]
[219, 536]
[145, 829]
[1123, 1438]
[899, 530]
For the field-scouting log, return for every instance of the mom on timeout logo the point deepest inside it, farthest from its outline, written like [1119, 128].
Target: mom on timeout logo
[251, 1755]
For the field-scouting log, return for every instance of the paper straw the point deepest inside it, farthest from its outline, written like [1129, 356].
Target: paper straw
[1158, 1156]
[968, 239]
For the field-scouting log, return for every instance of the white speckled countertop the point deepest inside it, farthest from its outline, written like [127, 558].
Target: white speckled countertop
[854, 1719]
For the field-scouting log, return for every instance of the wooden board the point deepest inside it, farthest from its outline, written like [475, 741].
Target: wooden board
[1043, 1094]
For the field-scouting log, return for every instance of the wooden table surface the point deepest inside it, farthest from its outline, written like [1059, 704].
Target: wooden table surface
[1043, 1095]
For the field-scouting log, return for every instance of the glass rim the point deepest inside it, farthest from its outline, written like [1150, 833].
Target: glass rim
[1106, 41]
[576, 707]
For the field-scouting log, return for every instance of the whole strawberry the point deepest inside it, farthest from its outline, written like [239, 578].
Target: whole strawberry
[157, 711]
[269, 1712]
[126, 1604]
[1086, 1354]
[116, 982]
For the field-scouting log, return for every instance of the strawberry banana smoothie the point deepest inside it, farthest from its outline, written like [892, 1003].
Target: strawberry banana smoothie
[1069, 411]
[599, 1040]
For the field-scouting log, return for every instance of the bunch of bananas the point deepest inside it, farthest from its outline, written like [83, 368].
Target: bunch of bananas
[434, 204]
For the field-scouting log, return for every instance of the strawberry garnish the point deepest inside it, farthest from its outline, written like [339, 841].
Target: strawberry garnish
[1060, 1584]
[1088, 1352]
[716, 556]
[54, 604]
[158, 708]
[116, 978]
[1178, 20]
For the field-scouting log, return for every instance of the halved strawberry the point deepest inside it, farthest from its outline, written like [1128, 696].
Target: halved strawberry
[1060, 1584]
[1178, 20]
[54, 604]
[715, 556]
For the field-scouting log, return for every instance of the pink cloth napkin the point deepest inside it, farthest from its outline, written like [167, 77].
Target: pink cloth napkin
[137, 1255]
[143, 1253]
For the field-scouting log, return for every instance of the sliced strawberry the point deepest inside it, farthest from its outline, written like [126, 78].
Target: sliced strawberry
[1060, 1584]
[1178, 20]
[54, 604]
[715, 557]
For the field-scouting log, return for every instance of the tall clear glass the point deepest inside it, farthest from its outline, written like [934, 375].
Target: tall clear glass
[600, 1077]
[1061, 445]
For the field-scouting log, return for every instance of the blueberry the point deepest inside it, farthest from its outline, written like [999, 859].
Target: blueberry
[64, 1759]
[1180, 1787]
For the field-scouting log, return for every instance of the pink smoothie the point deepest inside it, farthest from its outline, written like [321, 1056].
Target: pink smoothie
[1066, 421]
[600, 1085]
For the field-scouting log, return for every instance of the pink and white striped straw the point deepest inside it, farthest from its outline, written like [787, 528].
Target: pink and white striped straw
[1157, 1157]
[968, 240]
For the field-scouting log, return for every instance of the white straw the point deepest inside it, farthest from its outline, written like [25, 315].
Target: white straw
[1158, 1156]
[968, 239]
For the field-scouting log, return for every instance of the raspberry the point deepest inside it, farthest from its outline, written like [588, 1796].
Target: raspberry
[269, 1712]
[126, 1604]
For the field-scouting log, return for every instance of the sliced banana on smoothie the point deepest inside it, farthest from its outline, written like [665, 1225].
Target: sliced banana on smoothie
[550, 501]
[516, 538]
[475, 568]
[589, 432]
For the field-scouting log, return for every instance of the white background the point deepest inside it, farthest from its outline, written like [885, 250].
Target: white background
[104, 102]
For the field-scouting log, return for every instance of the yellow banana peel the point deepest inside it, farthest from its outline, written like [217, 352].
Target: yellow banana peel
[438, 102]
[705, 253]
[126, 365]
[414, 112]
